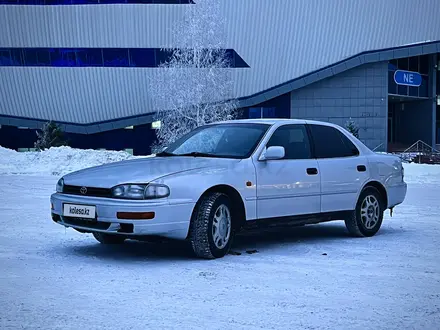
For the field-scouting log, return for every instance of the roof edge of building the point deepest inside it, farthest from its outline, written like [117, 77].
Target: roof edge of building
[80, 128]
[371, 56]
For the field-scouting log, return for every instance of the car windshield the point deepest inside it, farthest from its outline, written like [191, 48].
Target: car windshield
[219, 140]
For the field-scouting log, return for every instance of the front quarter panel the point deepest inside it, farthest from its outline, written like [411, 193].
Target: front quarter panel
[189, 186]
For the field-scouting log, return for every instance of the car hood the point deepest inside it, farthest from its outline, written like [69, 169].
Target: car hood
[141, 170]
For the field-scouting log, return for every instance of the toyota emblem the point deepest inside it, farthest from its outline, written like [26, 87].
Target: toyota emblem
[83, 190]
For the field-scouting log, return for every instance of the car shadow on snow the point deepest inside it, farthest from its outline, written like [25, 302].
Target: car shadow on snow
[248, 242]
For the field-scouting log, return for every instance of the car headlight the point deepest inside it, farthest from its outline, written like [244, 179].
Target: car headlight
[141, 191]
[60, 185]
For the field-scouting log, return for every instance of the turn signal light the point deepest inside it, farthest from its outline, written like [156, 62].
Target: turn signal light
[135, 215]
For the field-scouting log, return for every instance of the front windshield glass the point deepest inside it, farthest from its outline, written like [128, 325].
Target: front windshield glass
[220, 140]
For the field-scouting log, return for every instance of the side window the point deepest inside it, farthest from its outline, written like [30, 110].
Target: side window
[328, 142]
[350, 145]
[294, 139]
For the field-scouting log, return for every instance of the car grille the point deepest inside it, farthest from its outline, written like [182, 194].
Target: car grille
[91, 191]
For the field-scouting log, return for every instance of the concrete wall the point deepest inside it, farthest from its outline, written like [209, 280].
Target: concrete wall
[360, 94]
[415, 122]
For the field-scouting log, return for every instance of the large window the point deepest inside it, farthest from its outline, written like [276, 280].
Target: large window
[262, 112]
[419, 64]
[294, 139]
[104, 57]
[328, 142]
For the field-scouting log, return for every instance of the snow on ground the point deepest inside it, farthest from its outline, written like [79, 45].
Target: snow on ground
[314, 277]
[55, 161]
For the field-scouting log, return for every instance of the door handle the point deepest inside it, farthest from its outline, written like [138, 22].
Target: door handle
[361, 168]
[312, 171]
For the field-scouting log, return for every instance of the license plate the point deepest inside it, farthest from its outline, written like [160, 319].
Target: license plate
[79, 211]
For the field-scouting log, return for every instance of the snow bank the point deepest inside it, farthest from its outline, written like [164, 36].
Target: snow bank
[422, 173]
[56, 161]
[62, 160]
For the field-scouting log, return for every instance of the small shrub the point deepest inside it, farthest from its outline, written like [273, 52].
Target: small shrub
[50, 136]
[352, 127]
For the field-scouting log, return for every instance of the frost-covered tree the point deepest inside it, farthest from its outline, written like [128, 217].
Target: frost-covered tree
[352, 127]
[50, 136]
[194, 85]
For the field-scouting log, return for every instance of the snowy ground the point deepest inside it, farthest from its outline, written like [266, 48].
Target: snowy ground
[314, 277]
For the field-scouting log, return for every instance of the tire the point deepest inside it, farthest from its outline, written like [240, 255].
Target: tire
[211, 234]
[366, 220]
[109, 238]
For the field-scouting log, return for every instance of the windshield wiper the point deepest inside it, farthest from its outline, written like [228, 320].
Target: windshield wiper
[197, 154]
[165, 154]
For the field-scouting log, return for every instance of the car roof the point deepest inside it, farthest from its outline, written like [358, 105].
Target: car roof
[273, 121]
[267, 121]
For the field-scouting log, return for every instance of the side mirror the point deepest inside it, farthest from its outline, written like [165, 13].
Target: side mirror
[273, 153]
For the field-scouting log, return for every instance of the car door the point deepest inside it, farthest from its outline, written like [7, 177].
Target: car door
[288, 186]
[343, 169]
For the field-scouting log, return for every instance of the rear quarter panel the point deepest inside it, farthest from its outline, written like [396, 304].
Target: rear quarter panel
[388, 170]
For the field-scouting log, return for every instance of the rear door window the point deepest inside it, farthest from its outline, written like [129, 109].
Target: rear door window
[329, 142]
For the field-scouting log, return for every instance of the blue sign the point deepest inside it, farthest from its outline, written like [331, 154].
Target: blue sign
[407, 78]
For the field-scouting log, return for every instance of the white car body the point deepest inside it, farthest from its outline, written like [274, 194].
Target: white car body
[267, 189]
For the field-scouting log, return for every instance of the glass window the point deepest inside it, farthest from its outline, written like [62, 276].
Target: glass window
[89, 57]
[424, 64]
[392, 66]
[5, 57]
[255, 113]
[423, 89]
[269, 113]
[413, 91]
[294, 139]
[145, 58]
[63, 57]
[392, 86]
[402, 90]
[17, 57]
[32, 2]
[36, 57]
[162, 56]
[328, 142]
[414, 64]
[79, 2]
[220, 140]
[115, 57]
[402, 63]
[112, 1]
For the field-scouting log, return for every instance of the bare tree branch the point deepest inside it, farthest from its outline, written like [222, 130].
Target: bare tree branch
[195, 85]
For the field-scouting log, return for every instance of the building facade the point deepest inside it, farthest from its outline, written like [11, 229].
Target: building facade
[85, 64]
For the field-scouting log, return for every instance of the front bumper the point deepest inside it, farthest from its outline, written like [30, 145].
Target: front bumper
[170, 220]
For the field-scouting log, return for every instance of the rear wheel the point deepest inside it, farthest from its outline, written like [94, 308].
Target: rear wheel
[211, 229]
[109, 238]
[366, 219]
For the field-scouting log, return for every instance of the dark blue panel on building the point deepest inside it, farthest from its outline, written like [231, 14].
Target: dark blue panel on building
[103, 57]
[140, 139]
[278, 107]
[92, 2]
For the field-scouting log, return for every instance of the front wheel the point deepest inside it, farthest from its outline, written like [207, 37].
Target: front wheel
[109, 238]
[211, 229]
[366, 219]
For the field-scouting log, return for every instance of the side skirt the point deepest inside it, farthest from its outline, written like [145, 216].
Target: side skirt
[297, 220]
